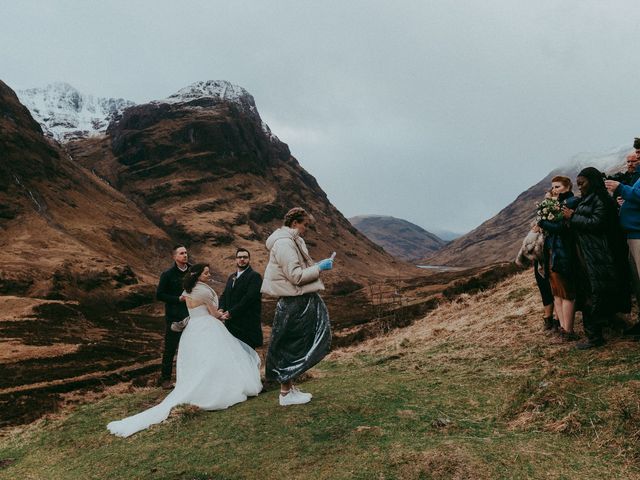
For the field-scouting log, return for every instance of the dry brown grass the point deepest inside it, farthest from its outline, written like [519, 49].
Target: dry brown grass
[14, 351]
[21, 308]
[449, 462]
[474, 390]
[508, 315]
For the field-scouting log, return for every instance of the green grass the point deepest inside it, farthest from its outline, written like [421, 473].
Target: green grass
[411, 412]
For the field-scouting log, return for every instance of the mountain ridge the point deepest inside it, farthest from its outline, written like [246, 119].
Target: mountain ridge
[499, 238]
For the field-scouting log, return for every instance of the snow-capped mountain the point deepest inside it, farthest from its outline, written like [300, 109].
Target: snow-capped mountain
[65, 114]
[218, 91]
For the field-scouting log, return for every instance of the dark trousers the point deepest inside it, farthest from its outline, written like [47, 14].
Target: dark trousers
[593, 325]
[171, 341]
[543, 285]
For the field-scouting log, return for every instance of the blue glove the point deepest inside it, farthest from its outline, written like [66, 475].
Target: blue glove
[326, 264]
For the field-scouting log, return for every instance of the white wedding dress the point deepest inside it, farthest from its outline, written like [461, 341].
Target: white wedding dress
[214, 370]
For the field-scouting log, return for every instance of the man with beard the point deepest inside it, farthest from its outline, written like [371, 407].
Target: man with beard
[631, 175]
[241, 301]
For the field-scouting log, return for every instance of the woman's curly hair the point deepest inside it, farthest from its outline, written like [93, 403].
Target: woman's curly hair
[297, 214]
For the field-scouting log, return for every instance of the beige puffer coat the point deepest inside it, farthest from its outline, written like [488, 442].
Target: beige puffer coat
[290, 271]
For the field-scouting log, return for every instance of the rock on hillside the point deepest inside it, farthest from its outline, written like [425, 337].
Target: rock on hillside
[499, 238]
[399, 237]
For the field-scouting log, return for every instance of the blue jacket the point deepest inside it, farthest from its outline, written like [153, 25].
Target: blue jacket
[630, 209]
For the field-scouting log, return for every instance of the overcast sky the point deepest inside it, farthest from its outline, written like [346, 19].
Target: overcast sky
[439, 112]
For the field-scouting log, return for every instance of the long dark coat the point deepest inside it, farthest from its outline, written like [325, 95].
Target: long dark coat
[242, 299]
[603, 286]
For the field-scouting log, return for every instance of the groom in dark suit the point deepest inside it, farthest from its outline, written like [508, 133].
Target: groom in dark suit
[241, 301]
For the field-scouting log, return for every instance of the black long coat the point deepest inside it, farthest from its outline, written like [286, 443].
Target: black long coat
[603, 283]
[242, 299]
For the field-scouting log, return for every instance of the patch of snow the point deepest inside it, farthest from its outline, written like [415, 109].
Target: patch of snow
[609, 161]
[221, 91]
[66, 114]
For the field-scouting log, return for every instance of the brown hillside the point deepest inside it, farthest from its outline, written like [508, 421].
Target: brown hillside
[58, 220]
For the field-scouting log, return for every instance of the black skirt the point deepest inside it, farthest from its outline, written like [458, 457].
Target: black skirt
[300, 337]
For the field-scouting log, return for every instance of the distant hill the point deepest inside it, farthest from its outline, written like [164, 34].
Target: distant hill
[447, 235]
[499, 238]
[399, 237]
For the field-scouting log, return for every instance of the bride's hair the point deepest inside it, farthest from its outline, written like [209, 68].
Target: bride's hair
[191, 278]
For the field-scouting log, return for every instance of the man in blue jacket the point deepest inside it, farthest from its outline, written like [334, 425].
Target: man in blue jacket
[630, 222]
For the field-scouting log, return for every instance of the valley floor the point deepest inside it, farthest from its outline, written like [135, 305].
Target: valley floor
[474, 390]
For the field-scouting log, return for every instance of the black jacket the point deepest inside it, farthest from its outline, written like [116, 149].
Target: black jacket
[242, 299]
[169, 290]
[627, 178]
[559, 244]
[603, 284]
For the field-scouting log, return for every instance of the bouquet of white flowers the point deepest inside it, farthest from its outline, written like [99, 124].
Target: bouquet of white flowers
[549, 209]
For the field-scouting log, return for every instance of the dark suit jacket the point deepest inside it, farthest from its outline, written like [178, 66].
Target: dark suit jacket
[169, 291]
[242, 299]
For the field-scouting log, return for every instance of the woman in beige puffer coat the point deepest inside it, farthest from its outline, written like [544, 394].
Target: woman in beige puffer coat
[301, 332]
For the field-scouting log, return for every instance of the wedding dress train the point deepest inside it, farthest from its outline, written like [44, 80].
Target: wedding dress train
[214, 371]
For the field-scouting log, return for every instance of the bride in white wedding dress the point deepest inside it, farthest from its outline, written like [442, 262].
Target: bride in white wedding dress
[214, 369]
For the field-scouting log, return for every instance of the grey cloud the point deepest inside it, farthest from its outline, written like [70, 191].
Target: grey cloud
[437, 112]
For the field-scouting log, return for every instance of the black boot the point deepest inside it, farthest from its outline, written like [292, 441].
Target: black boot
[633, 332]
[556, 326]
[590, 343]
[593, 329]
[548, 323]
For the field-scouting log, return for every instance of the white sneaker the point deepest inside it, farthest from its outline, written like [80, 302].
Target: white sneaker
[306, 394]
[294, 397]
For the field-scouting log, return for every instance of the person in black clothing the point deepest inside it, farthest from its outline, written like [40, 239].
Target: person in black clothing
[602, 280]
[241, 301]
[170, 292]
[559, 258]
[632, 174]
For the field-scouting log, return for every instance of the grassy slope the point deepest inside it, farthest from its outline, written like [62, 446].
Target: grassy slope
[474, 390]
